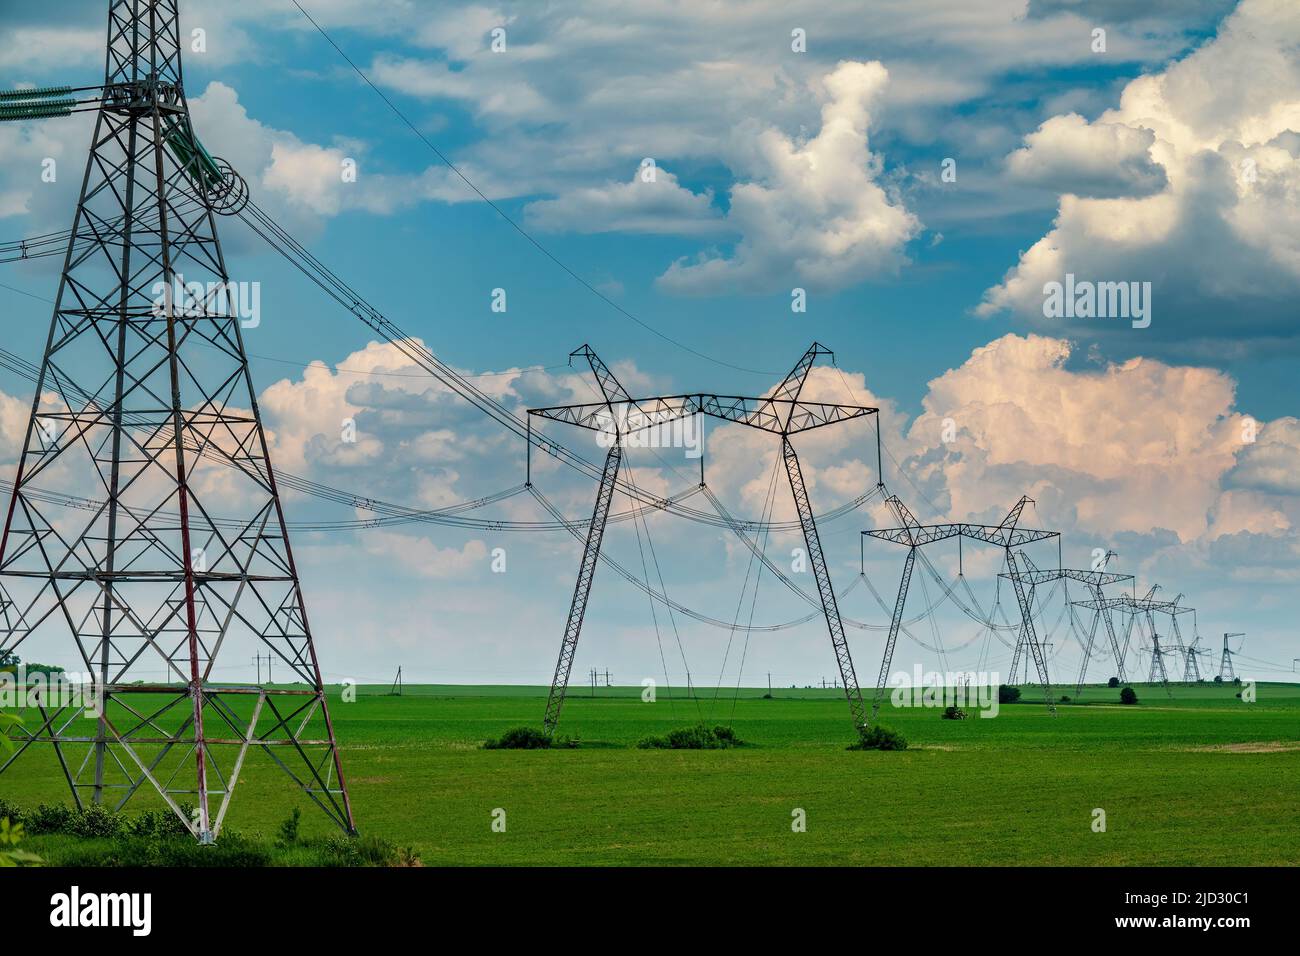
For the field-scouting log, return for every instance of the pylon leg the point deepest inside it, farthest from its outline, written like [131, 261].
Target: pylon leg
[1087, 651]
[1031, 635]
[830, 606]
[582, 589]
[895, 625]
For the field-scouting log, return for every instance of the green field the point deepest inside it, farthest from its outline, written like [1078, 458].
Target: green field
[1200, 779]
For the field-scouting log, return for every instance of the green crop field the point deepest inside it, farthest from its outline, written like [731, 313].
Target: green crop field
[1201, 778]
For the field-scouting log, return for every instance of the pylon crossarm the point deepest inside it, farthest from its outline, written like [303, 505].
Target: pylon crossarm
[989, 534]
[775, 416]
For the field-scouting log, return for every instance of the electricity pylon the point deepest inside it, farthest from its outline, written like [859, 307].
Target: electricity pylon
[1157, 662]
[1191, 664]
[1225, 664]
[1095, 580]
[1147, 607]
[619, 415]
[145, 396]
[1007, 535]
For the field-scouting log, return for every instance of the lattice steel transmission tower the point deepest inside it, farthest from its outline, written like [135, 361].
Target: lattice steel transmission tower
[782, 413]
[1146, 607]
[1226, 672]
[145, 395]
[1006, 534]
[1094, 579]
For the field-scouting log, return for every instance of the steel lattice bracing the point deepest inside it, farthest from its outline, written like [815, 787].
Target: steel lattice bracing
[895, 623]
[1006, 534]
[829, 605]
[782, 413]
[582, 589]
[146, 398]
[1029, 633]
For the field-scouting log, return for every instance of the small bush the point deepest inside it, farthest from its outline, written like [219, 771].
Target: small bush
[699, 737]
[340, 850]
[1008, 694]
[520, 738]
[954, 713]
[288, 832]
[881, 738]
[10, 810]
[154, 824]
[1128, 696]
[1065, 699]
[1113, 682]
[49, 818]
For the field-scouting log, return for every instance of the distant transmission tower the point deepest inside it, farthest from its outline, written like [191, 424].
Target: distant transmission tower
[145, 395]
[784, 413]
[1225, 665]
[1157, 662]
[1006, 534]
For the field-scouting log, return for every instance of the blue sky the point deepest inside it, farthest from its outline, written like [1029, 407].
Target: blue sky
[776, 169]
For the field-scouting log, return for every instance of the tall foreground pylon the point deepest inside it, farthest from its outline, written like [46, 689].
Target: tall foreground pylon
[145, 398]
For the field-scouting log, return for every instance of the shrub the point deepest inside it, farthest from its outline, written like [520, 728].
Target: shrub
[49, 818]
[1113, 682]
[155, 824]
[1008, 694]
[340, 850]
[1065, 699]
[11, 811]
[1218, 678]
[1128, 696]
[288, 832]
[699, 737]
[94, 820]
[880, 738]
[954, 713]
[520, 738]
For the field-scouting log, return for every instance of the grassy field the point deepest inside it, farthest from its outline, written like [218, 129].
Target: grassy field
[1199, 779]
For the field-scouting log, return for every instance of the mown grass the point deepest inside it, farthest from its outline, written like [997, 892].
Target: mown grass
[1199, 779]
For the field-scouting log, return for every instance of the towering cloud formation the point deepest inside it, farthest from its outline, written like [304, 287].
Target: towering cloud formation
[1193, 183]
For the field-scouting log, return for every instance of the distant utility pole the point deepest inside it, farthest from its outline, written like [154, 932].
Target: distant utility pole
[257, 659]
[607, 683]
[769, 683]
[396, 689]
